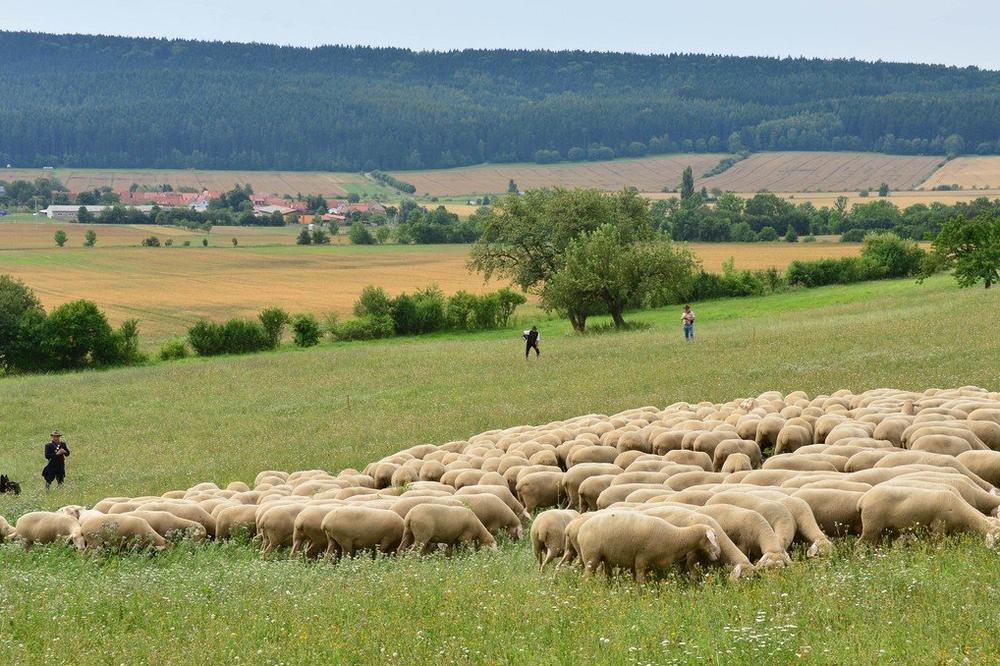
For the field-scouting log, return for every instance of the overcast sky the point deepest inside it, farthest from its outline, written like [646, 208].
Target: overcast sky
[957, 32]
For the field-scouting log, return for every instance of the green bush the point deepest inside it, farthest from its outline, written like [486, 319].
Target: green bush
[367, 327]
[890, 256]
[809, 239]
[458, 312]
[829, 271]
[77, 335]
[373, 302]
[304, 238]
[767, 234]
[151, 241]
[305, 330]
[421, 312]
[273, 321]
[236, 336]
[853, 236]
[359, 235]
[173, 350]
[320, 237]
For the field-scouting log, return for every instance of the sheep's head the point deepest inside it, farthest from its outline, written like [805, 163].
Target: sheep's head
[74, 510]
[820, 547]
[516, 531]
[742, 571]
[711, 544]
[774, 560]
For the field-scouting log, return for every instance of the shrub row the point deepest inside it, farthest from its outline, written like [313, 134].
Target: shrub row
[884, 256]
[425, 311]
[244, 336]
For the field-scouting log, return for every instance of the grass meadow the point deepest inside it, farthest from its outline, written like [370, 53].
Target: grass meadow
[150, 429]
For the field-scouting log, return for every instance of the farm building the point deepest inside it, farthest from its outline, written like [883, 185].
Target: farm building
[287, 212]
[69, 212]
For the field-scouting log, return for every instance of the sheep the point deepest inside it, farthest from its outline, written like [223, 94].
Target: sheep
[167, 525]
[183, 509]
[119, 531]
[780, 518]
[276, 526]
[694, 458]
[899, 458]
[751, 533]
[44, 527]
[6, 531]
[540, 490]
[501, 491]
[728, 447]
[307, 530]
[893, 508]
[352, 528]
[984, 464]
[835, 511]
[641, 543]
[590, 491]
[429, 524]
[234, 519]
[729, 555]
[548, 534]
[577, 474]
[736, 462]
[494, 514]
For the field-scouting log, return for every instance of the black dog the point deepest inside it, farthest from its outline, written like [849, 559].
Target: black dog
[8, 486]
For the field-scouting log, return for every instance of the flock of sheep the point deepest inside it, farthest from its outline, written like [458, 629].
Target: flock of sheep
[730, 485]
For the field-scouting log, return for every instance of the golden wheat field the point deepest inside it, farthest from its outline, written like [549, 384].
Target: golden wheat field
[822, 172]
[648, 174]
[169, 288]
[981, 172]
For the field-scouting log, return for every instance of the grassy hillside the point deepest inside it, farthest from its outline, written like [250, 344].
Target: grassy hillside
[145, 430]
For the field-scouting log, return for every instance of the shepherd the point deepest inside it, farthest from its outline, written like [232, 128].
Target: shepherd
[56, 452]
[531, 342]
[688, 320]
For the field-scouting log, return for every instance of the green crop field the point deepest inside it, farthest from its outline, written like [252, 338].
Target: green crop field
[169, 425]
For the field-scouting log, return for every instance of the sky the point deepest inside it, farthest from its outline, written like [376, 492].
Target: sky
[952, 32]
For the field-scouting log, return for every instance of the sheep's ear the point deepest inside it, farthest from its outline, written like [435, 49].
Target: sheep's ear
[712, 538]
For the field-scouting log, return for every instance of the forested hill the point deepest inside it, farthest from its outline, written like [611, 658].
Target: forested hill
[80, 100]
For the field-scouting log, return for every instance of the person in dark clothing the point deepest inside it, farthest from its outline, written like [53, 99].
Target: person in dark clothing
[56, 452]
[531, 342]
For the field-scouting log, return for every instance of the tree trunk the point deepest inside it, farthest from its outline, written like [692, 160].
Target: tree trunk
[616, 315]
[579, 322]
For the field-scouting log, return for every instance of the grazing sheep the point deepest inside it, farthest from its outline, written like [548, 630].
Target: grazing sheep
[429, 524]
[737, 462]
[494, 514]
[984, 464]
[576, 475]
[901, 458]
[693, 458]
[729, 555]
[835, 511]
[349, 529]
[540, 490]
[590, 491]
[6, 531]
[276, 526]
[503, 492]
[235, 519]
[548, 534]
[727, 447]
[890, 508]
[119, 531]
[182, 509]
[307, 530]
[167, 525]
[44, 527]
[751, 533]
[641, 543]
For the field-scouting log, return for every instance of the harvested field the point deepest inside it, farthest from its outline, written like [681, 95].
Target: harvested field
[822, 172]
[278, 182]
[168, 288]
[648, 174]
[38, 235]
[981, 172]
[902, 199]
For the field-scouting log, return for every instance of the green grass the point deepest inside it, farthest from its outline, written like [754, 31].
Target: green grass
[150, 429]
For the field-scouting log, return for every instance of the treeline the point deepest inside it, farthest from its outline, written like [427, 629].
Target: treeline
[138, 102]
[392, 181]
[766, 217]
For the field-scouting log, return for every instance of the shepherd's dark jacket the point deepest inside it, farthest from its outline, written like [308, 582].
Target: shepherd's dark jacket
[56, 468]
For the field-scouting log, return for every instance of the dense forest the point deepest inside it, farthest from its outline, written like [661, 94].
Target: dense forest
[96, 101]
